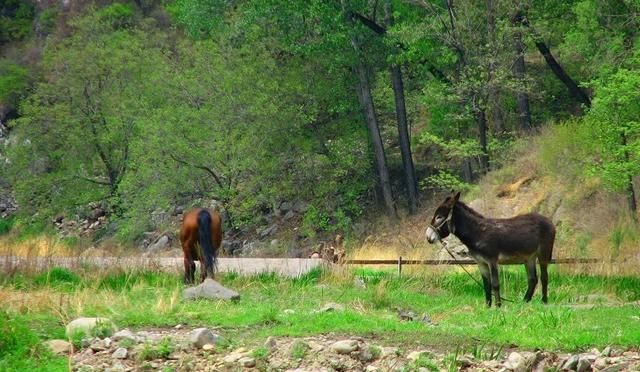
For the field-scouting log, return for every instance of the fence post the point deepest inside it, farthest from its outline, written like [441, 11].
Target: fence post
[399, 266]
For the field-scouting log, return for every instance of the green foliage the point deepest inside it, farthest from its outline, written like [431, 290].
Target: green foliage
[58, 277]
[444, 181]
[21, 348]
[14, 80]
[15, 20]
[299, 349]
[6, 224]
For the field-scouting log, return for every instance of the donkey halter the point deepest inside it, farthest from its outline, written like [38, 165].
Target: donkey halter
[449, 221]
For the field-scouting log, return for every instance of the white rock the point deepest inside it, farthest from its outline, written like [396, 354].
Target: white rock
[58, 346]
[415, 355]
[123, 334]
[344, 346]
[120, 353]
[202, 336]
[247, 362]
[89, 326]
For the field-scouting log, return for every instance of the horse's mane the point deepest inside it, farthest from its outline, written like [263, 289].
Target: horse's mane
[470, 210]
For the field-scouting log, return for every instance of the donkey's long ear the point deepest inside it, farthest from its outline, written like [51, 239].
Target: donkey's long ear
[456, 197]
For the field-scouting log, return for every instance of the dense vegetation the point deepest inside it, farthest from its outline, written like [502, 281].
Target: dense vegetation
[346, 105]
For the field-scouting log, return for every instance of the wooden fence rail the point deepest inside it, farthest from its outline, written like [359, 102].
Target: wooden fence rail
[400, 262]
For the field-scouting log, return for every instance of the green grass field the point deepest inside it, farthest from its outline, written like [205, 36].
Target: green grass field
[36, 307]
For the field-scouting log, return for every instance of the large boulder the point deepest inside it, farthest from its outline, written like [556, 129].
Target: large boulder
[90, 327]
[210, 289]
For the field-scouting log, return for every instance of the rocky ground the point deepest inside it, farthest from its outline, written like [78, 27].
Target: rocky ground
[201, 349]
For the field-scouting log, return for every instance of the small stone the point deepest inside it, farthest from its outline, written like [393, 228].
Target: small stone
[231, 358]
[519, 362]
[389, 352]
[344, 346]
[58, 347]
[120, 353]
[359, 283]
[210, 289]
[117, 367]
[98, 346]
[600, 363]
[270, 343]
[123, 334]
[107, 342]
[208, 347]
[178, 326]
[406, 315]
[571, 363]
[331, 306]
[607, 351]
[288, 311]
[240, 350]
[247, 362]
[583, 365]
[202, 336]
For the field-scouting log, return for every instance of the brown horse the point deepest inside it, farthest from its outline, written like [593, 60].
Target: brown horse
[203, 227]
[491, 241]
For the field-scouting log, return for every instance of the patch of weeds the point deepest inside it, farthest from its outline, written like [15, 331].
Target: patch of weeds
[311, 277]
[299, 349]
[148, 352]
[165, 347]
[58, 277]
[260, 353]
[375, 351]
[380, 297]
[425, 362]
[162, 350]
[126, 343]
[481, 352]
[450, 362]
[102, 329]
[76, 339]
[168, 369]
[269, 316]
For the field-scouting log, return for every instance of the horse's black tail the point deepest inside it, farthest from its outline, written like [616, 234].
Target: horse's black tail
[207, 251]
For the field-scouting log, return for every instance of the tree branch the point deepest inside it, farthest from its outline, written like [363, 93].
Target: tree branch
[372, 25]
[211, 172]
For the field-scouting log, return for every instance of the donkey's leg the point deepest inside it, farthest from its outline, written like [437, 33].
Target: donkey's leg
[530, 265]
[486, 281]
[495, 282]
[544, 278]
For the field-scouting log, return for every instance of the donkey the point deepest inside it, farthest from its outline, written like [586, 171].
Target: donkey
[495, 240]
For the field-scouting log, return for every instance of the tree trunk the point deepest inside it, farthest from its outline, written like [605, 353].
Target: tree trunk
[366, 101]
[576, 92]
[482, 131]
[631, 193]
[403, 126]
[522, 97]
[496, 114]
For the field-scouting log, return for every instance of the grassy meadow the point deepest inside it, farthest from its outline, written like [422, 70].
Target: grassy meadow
[584, 310]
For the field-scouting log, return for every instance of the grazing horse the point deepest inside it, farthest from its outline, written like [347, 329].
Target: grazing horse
[495, 240]
[200, 235]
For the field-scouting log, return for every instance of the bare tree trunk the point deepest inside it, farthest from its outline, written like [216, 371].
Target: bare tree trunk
[482, 131]
[366, 101]
[522, 97]
[576, 92]
[631, 193]
[493, 102]
[403, 126]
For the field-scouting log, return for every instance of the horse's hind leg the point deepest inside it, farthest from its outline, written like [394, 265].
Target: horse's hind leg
[486, 281]
[530, 265]
[544, 278]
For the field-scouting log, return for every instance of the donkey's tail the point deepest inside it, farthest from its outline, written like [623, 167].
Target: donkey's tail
[207, 252]
[548, 232]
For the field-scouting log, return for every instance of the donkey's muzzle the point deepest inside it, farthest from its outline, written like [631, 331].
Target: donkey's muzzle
[432, 235]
